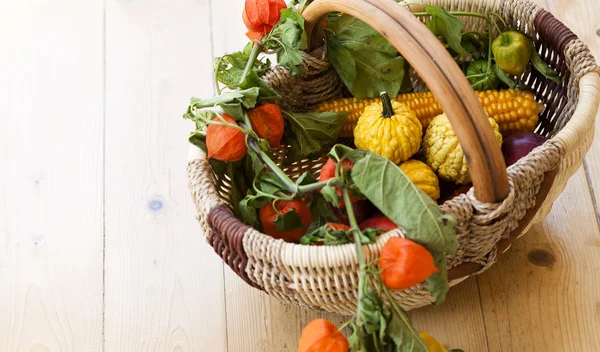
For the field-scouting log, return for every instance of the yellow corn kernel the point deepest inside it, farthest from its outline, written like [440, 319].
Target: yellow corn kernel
[514, 110]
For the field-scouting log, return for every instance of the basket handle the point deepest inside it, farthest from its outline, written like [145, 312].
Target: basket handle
[442, 75]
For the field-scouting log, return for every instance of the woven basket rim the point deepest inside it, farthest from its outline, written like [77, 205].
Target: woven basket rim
[329, 258]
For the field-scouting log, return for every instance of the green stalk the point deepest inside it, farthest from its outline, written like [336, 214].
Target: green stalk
[271, 164]
[256, 49]
[362, 265]
[318, 185]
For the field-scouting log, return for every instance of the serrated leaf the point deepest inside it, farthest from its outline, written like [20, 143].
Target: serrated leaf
[438, 282]
[444, 24]
[288, 221]
[289, 40]
[392, 192]
[544, 68]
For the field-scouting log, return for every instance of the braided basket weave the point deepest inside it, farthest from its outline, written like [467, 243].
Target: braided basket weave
[503, 204]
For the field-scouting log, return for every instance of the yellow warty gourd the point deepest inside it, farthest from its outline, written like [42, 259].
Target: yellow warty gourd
[514, 110]
[423, 177]
[389, 129]
[444, 154]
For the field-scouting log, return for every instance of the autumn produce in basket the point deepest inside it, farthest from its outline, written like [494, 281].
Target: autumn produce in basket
[398, 156]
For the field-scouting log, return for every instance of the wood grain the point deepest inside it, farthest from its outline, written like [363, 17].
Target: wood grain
[544, 293]
[164, 286]
[458, 323]
[66, 64]
[51, 118]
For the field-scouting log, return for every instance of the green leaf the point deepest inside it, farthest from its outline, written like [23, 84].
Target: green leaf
[238, 185]
[376, 65]
[355, 34]
[230, 68]
[544, 68]
[330, 194]
[444, 24]
[326, 236]
[377, 72]
[481, 76]
[504, 77]
[402, 332]
[309, 133]
[290, 16]
[219, 167]
[246, 97]
[341, 59]
[199, 140]
[257, 164]
[265, 90]
[392, 192]
[248, 213]
[306, 179]
[288, 39]
[338, 151]
[270, 183]
[438, 282]
[320, 210]
[288, 221]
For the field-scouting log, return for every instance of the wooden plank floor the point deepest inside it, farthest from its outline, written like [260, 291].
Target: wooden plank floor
[101, 251]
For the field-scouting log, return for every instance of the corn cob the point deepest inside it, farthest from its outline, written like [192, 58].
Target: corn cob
[514, 110]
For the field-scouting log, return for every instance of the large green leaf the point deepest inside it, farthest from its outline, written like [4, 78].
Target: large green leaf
[355, 34]
[438, 282]
[390, 190]
[366, 62]
[309, 133]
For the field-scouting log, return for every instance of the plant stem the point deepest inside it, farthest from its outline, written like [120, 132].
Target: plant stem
[318, 185]
[215, 77]
[271, 164]
[256, 49]
[362, 266]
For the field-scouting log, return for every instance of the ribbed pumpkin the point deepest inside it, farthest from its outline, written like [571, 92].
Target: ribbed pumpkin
[423, 177]
[389, 129]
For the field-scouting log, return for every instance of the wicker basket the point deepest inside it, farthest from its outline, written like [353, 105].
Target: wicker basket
[501, 206]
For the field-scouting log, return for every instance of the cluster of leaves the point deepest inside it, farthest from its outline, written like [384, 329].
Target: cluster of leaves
[365, 61]
[472, 50]
[381, 326]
